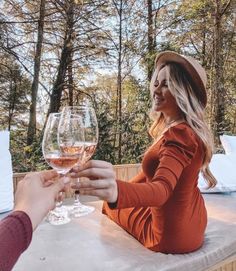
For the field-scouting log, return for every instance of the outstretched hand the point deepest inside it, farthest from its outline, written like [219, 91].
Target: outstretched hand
[101, 180]
[36, 194]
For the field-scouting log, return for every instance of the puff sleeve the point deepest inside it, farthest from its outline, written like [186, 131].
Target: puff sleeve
[176, 152]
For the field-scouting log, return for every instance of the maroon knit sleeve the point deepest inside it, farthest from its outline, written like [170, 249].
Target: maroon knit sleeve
[15, 237]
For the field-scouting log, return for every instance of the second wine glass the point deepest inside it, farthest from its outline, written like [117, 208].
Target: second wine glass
[90, 128]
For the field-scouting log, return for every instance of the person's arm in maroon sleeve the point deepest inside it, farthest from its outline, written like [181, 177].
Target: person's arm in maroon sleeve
[35, 196]
[15, 236]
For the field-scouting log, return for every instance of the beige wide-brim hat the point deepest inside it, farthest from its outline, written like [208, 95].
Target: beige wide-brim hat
[191, 66]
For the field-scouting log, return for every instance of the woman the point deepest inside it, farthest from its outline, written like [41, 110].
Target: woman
[35, 196]
[162, 207]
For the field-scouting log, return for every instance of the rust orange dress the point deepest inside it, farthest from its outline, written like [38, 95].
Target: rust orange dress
[162, 206]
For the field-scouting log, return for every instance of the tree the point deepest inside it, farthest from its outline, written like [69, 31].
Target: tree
[126, 44]
[105, 50]
[134, 126]
[14, 89]
[34, 88]
[219, 89]
[66, 53]
[151, 40]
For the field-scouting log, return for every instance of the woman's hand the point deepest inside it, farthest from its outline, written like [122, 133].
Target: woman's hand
[101, 180]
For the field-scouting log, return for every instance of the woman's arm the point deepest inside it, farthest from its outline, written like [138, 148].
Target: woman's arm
[139, 178]
[176, 153]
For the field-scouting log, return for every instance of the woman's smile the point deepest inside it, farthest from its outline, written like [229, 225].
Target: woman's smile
[158, 100]
[163, 100]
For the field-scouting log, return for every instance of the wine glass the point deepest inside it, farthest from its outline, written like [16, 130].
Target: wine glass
[57, 156]
[90, 125]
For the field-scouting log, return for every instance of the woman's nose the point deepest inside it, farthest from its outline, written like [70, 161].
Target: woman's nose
[157, 88]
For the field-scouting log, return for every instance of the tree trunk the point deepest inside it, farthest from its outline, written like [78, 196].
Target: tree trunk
[13, 90]
[119, 84]
[34, 88]
[150, 40]
[204, 31]
[70, 79]
[219, 90]
[55, 98]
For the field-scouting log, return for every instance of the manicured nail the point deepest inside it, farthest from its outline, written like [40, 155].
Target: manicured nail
[77, 168]
[66, 180]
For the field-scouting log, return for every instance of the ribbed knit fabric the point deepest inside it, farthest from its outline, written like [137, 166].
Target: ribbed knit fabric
[15, 237]
[162, 206]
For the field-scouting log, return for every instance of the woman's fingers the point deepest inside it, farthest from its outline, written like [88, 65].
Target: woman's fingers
[91, 192]
[104, 194]
[97, 164]
[48, 175]
[104, 189]
[101, 180]
[95, 184]
[94, 169]
[92, 164]
[96, 173]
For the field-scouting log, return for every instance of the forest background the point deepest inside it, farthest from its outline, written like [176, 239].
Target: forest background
[61, 52]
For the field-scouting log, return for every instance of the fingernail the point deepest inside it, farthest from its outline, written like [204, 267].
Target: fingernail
[78, 168]
[66, 180]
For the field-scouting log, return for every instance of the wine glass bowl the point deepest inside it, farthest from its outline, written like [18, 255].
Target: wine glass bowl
[71, 139]
[62, 149]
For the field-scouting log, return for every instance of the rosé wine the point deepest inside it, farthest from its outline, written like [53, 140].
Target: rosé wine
[60, 163]
[72, 150]
[89, 149]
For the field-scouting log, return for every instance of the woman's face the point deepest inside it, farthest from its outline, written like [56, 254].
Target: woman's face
[163, 100]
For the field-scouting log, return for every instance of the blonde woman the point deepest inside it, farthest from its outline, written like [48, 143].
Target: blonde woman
[162, 206]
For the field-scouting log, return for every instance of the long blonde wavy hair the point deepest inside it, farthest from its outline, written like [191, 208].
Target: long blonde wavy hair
[181, 87]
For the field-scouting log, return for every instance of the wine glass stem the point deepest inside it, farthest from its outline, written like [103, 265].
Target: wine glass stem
[77, 201]
[59, 201]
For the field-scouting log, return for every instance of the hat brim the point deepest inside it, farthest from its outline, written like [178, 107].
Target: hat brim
[169, 56]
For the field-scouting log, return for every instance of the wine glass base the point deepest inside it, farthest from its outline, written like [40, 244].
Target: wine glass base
[56, 217]
[80, 210]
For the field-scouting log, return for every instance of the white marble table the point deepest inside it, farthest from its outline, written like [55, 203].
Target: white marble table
[94, 243]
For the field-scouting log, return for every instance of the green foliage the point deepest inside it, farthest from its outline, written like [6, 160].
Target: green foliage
[26, 158]
[14, 88]
[105, 149]
[186, 27]
[135, 120]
